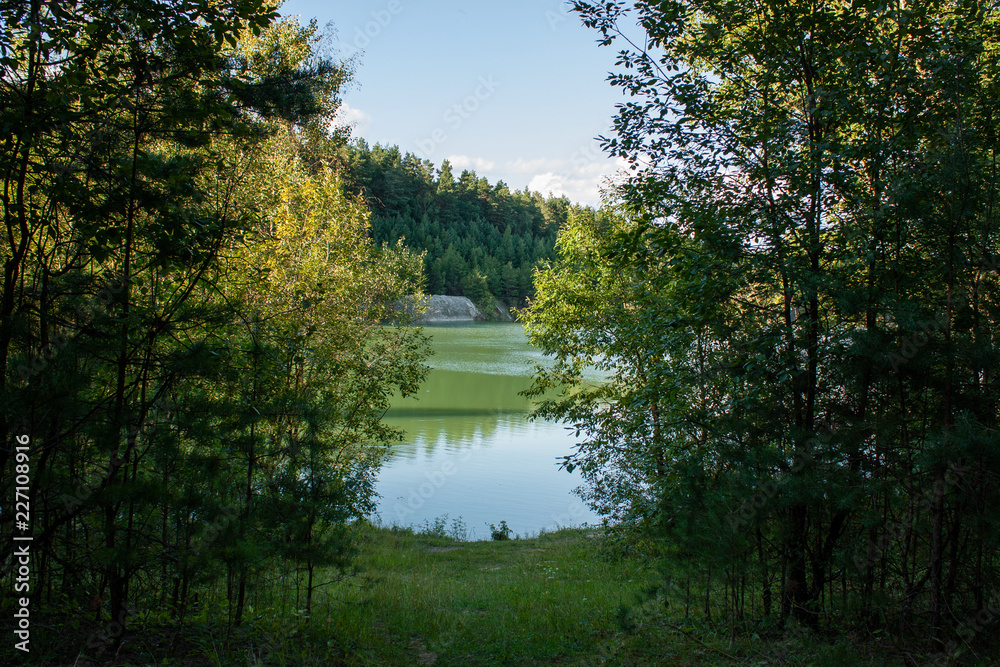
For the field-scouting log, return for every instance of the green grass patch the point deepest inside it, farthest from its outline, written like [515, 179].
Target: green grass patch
[426, 598]
[542, 600]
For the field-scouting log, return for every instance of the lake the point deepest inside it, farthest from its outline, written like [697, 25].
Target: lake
[470, 450]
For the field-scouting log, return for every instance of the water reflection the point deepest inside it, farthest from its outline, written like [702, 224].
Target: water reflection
[456, 409]
[470, 449]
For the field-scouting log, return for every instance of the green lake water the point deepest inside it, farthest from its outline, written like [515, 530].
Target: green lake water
[470, 450]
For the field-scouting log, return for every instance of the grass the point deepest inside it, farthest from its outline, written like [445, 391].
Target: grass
[427, 598]
[543, 600]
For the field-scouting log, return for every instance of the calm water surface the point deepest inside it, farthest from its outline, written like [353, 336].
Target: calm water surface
[470, 450]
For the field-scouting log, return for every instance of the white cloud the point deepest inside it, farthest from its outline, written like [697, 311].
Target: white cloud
[358, 120]
[580, 180]
[474, 163]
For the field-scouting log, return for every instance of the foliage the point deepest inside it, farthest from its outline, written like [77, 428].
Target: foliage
[549, 599]
[794, 299]
[439, 528]
[481, 241]
[189, 321]
[501, 532]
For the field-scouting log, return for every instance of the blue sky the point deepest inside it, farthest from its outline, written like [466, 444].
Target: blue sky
[514, 89]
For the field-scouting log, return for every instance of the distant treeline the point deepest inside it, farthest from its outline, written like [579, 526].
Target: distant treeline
[481, 240]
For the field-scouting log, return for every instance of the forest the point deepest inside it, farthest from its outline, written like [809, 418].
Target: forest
[190, 345]
[480, 240]
[793, 296]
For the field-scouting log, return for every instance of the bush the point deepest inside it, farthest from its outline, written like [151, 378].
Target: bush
[502, 533]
